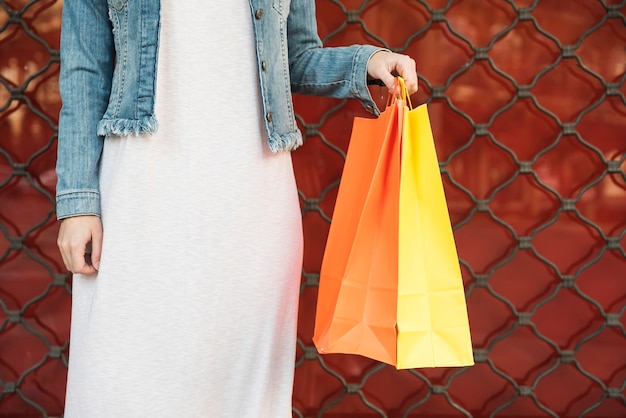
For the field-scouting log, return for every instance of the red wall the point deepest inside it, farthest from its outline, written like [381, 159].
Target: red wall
[528, 106]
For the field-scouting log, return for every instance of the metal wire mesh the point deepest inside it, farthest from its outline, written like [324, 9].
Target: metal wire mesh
[483, 176]
[527, 100]
[34, 289]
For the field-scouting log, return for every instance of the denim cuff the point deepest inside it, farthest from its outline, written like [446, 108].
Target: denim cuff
[75, 203]
[361, 59]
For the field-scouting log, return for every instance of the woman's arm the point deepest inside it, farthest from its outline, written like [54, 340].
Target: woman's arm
[87, 62]
[340, 71]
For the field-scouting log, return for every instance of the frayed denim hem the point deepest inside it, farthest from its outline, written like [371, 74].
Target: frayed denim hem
[285, 142]
[148, 125]
[124, 127]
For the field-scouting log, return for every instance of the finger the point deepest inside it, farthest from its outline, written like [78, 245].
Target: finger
[407, 69]
[388, 80]
[78, 260]
[96, 248]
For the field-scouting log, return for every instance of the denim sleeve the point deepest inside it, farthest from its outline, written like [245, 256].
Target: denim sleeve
[336, 72]
[87, 62]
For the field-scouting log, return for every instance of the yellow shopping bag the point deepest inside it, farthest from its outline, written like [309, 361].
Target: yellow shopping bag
[432, 324]
[390, 283]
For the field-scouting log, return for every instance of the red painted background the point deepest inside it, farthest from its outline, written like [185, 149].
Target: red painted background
[528, 105]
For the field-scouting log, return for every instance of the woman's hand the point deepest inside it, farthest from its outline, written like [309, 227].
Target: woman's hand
[80, 242]
[384, 65]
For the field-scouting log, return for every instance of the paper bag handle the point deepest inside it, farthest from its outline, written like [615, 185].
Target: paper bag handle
[399, 92]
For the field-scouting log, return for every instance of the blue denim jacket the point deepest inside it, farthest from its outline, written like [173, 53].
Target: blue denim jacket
[109, 54]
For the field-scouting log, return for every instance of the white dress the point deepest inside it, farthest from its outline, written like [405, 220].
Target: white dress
[193, 311]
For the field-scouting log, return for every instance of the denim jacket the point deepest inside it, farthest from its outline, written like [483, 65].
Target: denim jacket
[109, 52]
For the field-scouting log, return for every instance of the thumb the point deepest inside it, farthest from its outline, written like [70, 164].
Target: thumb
[96, 248]
[389, 80]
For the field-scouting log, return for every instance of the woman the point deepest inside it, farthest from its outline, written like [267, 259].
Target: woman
[185, 241]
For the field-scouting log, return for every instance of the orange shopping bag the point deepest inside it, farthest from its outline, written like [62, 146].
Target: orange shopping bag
[390, 284]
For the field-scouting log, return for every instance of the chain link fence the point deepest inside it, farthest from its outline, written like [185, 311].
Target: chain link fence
[34, 289]
[528, 106]
[528, 109]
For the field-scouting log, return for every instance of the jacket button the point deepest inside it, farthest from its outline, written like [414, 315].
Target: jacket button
[259, 13]
[269, 116]
[264, 66]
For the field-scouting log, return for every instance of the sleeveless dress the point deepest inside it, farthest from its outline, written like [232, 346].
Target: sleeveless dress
[193, 311]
